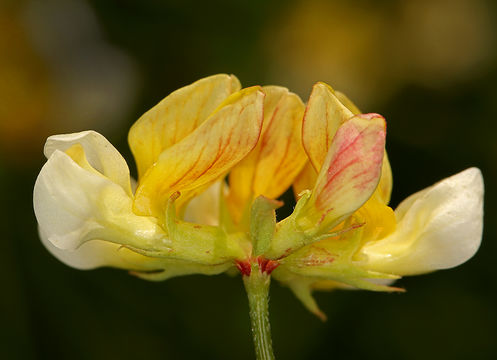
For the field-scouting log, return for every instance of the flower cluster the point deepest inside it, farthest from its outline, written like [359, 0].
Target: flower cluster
[182, 216]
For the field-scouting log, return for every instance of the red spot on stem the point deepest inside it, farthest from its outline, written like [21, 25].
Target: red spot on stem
[267, 266]
[244, 267]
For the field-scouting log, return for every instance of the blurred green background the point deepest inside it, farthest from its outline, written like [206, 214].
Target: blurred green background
[430, 67]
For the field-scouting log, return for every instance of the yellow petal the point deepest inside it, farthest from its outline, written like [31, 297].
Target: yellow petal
[347, 102]
[384, 189]
[204, 208]
[177, 116]
[219, 143]
[305, 180]
[279, 156]
[323, 116]
[378, 219]
[350, 172]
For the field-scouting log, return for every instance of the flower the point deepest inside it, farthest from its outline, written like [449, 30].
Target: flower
[90, 214]
[182, 218]
[342, 232]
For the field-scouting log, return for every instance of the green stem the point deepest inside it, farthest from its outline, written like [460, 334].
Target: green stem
[257, 287]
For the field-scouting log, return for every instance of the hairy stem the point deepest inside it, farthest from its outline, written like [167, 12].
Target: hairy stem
[257, 287]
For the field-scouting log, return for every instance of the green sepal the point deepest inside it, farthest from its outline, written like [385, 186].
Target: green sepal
[196, 243]
[346, 274]
[173, 268]
[296, 232]
[203, 244]
[289, 235]
[262, 223]
[334, 259]
[301, 288]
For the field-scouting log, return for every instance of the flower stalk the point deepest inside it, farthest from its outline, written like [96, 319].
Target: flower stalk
[257, 283]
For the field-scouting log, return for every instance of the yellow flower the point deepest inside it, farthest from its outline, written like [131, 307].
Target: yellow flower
[90, 214]
[342, 232]
[182, 218]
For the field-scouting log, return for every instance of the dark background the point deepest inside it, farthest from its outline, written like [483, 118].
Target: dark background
[430, 67]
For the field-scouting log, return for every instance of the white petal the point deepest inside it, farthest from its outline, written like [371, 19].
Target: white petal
[99, 152]
[438, 228]
[73, 205]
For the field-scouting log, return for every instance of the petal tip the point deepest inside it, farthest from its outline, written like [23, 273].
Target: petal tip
[370, 116]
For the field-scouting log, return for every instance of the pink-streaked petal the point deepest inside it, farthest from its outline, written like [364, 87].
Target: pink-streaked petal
[351, 170]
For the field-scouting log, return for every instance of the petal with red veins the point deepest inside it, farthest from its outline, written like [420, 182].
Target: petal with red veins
[350, 172]
[323, 116]
[205, 155]
[279, 156]
[176, 116]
